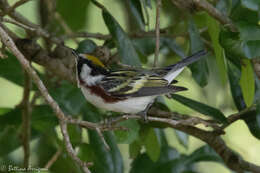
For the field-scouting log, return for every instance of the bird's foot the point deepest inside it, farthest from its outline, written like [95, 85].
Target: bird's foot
[143, 113]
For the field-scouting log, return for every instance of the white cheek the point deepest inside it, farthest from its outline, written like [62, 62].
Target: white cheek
[87, 78]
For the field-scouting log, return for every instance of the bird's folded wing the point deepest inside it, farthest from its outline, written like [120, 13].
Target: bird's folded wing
[134, 84]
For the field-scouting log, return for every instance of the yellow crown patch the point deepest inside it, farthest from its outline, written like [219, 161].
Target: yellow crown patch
[95, 60]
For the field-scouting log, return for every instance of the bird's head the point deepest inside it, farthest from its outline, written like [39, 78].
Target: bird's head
[88, 67]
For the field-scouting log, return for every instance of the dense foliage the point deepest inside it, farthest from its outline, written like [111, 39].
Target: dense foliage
[231, 66]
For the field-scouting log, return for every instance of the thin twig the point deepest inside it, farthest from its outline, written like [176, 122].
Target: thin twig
[4, 6]
[16, 5]
[209, 8]
[102, 138]
[53, 159]
[72, 153]
[237, 116]
[157, 29]
[26, 120]
[7, 20]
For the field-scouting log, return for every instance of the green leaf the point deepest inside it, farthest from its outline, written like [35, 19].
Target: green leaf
[109, 161]
[252, 49]
[234, 76]
[173, 46]
[251, 4]
[136, 10]
[204, 153]
[199, 69]
[4, 111]
[86, 46]
[73, 12]
[252, 117]
[247, 82]
[242, 13]
[249, 31]
[151, 143]
[69, 98]
[252, 120]
[11, 118]
[43, 118]
[232, 44]
[214, 30]
[12, 70]
[201, 107]
[8, 136]
[75, 134]
[182, 137]
[185, 162]
[124, 44]
[134, 149]
[146, 45]
[143, 163]
[86, 152]
[127, 136]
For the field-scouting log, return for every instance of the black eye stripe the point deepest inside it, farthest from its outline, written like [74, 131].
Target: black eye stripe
[95, 70]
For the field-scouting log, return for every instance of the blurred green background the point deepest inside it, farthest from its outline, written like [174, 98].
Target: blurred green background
[237, 137]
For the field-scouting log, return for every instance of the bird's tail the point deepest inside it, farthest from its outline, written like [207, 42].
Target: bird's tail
[176, 69]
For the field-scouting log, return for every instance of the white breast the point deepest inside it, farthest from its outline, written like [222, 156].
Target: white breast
[130, 105]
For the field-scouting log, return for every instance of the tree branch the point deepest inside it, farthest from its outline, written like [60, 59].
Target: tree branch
[210, 9]
[53, 159]
[26, 120]
[58, 112]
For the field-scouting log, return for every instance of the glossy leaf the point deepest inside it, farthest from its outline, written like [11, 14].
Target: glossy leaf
[199, 69]
[251, 4]
[9, 140]
[182, 137]
[173, 46]
[251, 118]
[252, 121]
[247, 82]
[12, 70]
[143, 163]
[4, 110]
[252, 49]
[249, 31]
[232, 44]
[214, 30]
[43, 118]
[146, 46]
[127, 136]
[201, 107]
[71, 10]
[124, 44]
[151, 143]
[134, 149]
[86, 46]
[69, 98]
[105, 160]
[234, 76]
[136, 10]
[75, 133]
[11, 118]
[204, 153]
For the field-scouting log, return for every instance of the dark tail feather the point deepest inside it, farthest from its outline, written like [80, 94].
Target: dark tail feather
[187, 61]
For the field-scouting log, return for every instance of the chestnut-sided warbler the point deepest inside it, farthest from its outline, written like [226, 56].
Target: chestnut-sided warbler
[129, 91]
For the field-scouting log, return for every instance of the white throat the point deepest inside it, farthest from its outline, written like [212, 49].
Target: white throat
[86, 76]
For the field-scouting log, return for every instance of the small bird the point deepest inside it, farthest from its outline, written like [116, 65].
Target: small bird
[130, 91]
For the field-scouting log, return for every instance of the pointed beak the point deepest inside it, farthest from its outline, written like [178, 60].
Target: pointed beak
[75, 54]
